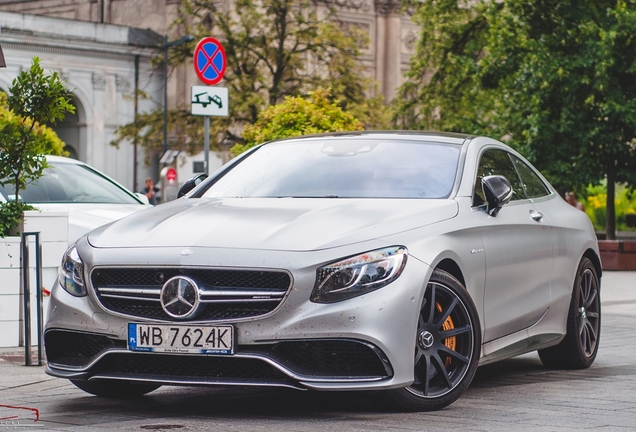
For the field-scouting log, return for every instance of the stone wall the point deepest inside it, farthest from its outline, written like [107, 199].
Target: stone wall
[618, 254]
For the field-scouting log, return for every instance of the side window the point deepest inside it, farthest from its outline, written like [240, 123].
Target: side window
[532, 184]
[497, 162]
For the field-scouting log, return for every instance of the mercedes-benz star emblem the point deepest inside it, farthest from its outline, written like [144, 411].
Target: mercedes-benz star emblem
[426, 339]
[180, 297]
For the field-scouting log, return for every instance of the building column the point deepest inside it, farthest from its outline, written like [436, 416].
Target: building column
[388, 46]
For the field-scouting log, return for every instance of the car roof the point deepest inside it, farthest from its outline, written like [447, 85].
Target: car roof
[51, 158]
[445, 137]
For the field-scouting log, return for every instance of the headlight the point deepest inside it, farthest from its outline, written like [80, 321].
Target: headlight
[358, 275]
[71, 276]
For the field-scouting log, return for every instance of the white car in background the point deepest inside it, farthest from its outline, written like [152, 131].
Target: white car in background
[91, 198]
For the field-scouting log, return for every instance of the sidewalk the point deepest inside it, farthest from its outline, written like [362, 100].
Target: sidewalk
[16, 355]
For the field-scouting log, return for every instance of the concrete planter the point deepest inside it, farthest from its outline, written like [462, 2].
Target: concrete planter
[53, 229]
[618, 254]
[9, 291]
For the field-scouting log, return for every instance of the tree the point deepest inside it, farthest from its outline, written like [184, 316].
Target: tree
[556, 80]
[298, 116]
[35, 100]
[275, 49]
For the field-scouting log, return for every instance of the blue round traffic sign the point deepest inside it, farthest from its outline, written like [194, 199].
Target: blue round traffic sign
[209, 60]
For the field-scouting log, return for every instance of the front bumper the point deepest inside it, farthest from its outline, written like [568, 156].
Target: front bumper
[297, 364]
[362, 343]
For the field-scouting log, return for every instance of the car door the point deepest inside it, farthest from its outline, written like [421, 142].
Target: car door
[518, 250]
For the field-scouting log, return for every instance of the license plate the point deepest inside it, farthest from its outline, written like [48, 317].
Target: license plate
[181, 338]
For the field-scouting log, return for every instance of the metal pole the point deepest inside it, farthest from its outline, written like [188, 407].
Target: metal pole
[38, 281]
[165, 47]
[165, 93]
[135, 139]
[26, 293]
[206, 143]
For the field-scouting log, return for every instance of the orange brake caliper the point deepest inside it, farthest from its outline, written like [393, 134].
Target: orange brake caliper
[447, 325]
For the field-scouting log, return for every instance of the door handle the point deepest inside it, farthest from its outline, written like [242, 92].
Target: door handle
[537, 216]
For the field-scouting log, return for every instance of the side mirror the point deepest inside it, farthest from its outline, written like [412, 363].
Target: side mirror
[190, 184]
[498, 192]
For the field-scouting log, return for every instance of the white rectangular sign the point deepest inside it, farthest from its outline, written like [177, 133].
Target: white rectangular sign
[210, 101]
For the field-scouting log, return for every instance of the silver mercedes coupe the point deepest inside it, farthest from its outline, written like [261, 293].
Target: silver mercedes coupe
[390, 262]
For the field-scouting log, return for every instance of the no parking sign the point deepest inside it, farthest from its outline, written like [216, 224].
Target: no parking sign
[209, 64]
[209, 60]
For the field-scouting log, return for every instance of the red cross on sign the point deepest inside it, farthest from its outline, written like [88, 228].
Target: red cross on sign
[209, 60]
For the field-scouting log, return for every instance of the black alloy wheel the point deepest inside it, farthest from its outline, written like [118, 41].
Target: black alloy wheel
[447, 347]
[579, 347]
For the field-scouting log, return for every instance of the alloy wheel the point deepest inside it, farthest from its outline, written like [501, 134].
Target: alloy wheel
[588, 312]
[444, 344]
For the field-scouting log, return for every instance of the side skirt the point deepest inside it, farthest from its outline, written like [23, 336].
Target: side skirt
[549, 330]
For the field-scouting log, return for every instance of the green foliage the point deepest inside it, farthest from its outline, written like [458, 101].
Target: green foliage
[298, 116]
[47, 139]
[10, 216]
[36, 100]
[442, 89]
[625, 201]
[556, 80]
[41, 98]
[275, 49]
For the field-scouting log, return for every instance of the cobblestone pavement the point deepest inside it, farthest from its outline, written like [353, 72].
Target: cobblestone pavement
[514, 395]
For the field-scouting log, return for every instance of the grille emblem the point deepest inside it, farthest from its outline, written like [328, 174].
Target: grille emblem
[180, 297]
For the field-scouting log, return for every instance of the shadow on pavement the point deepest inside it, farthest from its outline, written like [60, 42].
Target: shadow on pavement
[255, 403]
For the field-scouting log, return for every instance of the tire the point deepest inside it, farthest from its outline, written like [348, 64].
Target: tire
[447, 348]
[579, 347]
[115, 389]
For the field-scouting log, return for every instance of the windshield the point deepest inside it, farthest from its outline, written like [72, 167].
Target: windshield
[343, 168]
[70, 183]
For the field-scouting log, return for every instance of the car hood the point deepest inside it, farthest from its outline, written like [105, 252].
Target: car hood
[295, 224]
[83, 218]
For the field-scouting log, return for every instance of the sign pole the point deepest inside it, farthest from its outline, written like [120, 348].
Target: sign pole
[206, 143]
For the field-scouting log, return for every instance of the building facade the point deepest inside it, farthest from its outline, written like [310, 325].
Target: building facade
[99, 63]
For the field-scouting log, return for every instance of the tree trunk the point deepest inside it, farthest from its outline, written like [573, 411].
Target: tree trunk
[610, 208]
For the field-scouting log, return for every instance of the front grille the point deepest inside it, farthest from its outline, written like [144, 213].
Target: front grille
[225, 294]
[192, 368]
[76, 349]
[329, 358]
